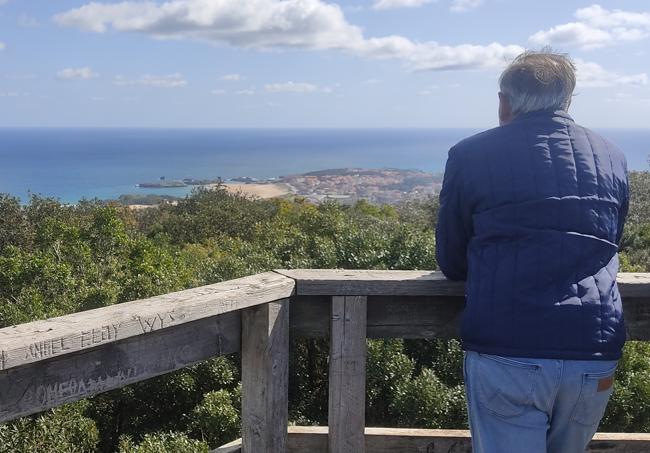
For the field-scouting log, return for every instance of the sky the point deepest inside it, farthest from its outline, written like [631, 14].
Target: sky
[309, 63]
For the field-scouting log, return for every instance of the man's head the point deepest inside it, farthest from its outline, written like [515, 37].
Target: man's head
[536, 81]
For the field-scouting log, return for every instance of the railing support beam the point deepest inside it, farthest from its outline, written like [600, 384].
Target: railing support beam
[347, 375]
[265, 377]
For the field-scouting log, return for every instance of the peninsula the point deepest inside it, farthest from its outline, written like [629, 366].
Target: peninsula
[345, 185]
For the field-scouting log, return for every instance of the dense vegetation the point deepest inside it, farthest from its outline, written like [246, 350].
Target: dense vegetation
[57, 259]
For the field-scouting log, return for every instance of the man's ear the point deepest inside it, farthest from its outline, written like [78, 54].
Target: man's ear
[505, 110]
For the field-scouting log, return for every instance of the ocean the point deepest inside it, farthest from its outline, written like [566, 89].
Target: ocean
[71, 164]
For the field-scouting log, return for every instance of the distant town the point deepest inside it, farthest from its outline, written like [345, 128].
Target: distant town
[348, 185]
[345, 185]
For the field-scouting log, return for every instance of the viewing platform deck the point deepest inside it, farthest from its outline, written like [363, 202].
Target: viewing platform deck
[44, 364]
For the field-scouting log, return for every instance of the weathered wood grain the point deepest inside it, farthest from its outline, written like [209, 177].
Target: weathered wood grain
[40, 340]
[313, 439]
[425, 317]
[414, 317]
[338, 282]
[637, 318]
[310, 316]
[231, 447]
[265, 377]
[633, 284]
[388, 316]
[341, 282]
[347, 374]
[42, 385]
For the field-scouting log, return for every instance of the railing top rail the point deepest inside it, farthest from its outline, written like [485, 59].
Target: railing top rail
[342, 282]
[41, 340]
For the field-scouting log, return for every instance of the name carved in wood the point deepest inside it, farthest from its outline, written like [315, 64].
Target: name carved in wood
[54, 393]
[47, 348]
[99, 335]
[158, 321]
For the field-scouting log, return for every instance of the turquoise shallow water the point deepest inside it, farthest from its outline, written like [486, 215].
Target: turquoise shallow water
[105, 163]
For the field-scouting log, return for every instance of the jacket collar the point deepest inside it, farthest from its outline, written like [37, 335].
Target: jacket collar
[557, 115]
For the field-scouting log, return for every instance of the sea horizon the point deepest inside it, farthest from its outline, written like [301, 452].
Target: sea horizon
[71, 163]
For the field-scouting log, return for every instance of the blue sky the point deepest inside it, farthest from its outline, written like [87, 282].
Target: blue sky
[308, 63]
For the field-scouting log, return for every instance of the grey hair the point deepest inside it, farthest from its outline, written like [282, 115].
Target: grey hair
[539, 80]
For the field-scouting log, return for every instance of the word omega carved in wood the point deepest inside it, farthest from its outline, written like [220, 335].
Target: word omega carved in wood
[55, 393]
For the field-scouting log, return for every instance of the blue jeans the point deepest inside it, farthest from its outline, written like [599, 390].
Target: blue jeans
[518, 405]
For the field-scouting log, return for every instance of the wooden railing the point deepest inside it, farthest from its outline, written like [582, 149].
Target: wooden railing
[47, 363]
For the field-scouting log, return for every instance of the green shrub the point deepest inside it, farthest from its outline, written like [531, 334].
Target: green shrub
[216, 419]
[65, 429]
[629, 408]
[172, 442]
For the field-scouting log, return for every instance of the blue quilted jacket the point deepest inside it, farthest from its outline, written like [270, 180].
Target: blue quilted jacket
[531, 215]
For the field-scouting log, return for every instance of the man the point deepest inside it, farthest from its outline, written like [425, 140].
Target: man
[531, 215]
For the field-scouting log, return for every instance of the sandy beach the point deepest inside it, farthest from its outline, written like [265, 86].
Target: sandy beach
[259, 190]
[253, 190]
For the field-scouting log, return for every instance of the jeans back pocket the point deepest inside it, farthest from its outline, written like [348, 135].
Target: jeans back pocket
[506, 385]
[594, 394]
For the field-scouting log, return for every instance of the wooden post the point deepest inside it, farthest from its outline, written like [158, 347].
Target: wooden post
[347, 375]
[265, 377]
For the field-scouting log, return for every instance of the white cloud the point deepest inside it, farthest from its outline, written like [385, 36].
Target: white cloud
[460, 6]
[392, 4]
[2, 45]
[84, 73]
[247, 92]
[97, 98]
[275, 24]
[593, 75]
[371, 81]
[232, 77]
[218, 92]
[596, 27]
[253, 23]
[597, 16]
[295, 87]
[431, 56]
[175, 80]
[573, 34]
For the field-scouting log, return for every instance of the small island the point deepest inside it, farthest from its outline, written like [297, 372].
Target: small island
[164, 183]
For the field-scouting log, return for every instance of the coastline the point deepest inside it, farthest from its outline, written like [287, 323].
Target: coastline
[269, 190]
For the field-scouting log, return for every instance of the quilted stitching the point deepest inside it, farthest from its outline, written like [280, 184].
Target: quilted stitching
[546, 203]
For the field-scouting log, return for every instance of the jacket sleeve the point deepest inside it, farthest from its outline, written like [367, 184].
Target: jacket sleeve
[454, 224]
